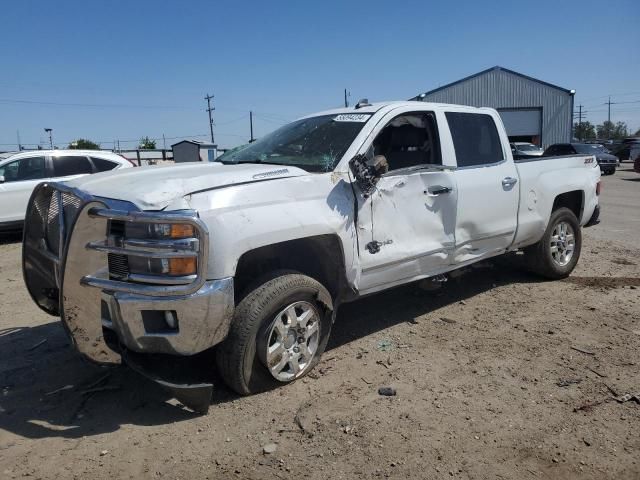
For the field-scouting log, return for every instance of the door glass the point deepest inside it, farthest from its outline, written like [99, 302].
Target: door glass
[32, 168]
[475, 139]
[70, 165]
[409, 140]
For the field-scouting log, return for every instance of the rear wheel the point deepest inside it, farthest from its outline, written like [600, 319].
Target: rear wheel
[279, 331]
[557, 253]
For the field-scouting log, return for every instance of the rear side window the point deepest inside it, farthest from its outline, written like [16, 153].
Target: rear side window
[32, 168]
[70, 165]
[103, 165]
[475, 139]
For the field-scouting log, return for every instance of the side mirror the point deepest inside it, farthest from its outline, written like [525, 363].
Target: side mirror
[367, 173]
[2, 180]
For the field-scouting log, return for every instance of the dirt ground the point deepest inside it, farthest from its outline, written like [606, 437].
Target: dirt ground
[498, 375]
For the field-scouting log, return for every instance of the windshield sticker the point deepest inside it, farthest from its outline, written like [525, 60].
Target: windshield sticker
[352, 117]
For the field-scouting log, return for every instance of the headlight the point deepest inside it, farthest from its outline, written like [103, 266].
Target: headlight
[154, 250]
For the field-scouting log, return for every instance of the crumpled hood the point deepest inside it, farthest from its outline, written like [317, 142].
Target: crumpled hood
[155, 187]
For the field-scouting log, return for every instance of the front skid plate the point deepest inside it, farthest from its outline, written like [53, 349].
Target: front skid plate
[182, 376]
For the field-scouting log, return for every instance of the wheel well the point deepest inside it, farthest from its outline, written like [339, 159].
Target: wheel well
[320, 257]
[572, 200]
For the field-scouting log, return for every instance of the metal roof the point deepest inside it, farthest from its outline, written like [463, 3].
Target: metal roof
[497, 67]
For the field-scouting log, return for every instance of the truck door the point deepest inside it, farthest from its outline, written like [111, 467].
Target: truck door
[406, 225]
[488, 192]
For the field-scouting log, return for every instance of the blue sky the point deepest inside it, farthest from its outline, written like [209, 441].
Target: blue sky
[134, 68]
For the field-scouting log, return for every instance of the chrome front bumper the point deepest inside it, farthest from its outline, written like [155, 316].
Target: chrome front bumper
[200, 320]
[67, 275]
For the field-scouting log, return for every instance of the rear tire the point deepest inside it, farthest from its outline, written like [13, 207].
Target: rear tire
[278, 333]
[557, 253]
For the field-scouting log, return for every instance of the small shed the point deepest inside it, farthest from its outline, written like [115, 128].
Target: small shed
[194, 151]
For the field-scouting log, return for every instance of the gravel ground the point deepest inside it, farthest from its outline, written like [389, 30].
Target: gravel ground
[498, 375]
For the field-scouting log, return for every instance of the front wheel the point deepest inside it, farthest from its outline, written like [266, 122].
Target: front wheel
[557, 253]
[278, 333]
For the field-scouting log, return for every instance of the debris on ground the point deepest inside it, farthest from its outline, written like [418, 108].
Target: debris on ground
[269, 448]
[582, 350]
[387, 391]
[58, 390]
[41, 342]
[565, 382]
[385, 345]
[447, 320]
[627, 397]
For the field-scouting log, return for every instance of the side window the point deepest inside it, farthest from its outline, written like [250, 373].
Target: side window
[475, 139]
[70, 165]
[31, 168]
[103, 165]
[409, 140]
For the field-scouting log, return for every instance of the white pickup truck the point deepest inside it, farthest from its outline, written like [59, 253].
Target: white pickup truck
[249, 257]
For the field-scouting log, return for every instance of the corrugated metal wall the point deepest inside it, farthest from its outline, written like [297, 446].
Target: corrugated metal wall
[500, 89]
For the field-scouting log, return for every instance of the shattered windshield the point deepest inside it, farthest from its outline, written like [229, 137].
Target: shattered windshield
[315, 144]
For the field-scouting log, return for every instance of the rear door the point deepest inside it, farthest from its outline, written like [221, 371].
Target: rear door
[20, 178]
[486, 179]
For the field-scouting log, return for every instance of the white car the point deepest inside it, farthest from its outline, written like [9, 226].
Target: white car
[20, 173]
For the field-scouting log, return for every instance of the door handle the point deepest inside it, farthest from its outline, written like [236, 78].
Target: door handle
[437, 190]
[509, 181]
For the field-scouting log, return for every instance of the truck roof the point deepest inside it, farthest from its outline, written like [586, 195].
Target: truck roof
[374, 107]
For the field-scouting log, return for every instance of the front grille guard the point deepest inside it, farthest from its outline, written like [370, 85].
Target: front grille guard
[46, 238]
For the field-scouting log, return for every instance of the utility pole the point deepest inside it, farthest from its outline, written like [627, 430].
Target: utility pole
[49, 130]
[251, 140]
[346, 102]
[609, 114]
[164, 142]
[19, 143]
[208, 98]
[580, 121]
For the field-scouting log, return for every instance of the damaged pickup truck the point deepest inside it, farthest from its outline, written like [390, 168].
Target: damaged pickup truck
[247, 259]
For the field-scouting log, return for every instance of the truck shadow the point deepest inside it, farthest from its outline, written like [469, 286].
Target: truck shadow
[406, 303]
[10, 237]
[49, 391]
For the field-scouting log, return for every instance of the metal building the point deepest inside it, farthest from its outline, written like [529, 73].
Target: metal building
[532, 110]
[194, 151]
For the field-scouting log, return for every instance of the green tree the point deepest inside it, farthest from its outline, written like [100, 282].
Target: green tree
[584, 131]
[613, 131]
[147, 143]
[83, 144]
[637, 134]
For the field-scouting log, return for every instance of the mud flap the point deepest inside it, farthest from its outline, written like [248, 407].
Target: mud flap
[179, 375]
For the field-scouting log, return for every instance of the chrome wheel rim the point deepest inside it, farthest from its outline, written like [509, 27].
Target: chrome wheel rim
[292, 341]
[562, 243]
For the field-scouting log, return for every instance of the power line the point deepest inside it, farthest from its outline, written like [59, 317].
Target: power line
[92, 105]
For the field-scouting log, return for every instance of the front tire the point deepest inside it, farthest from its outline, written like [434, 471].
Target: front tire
[278, 333]
[557, 253]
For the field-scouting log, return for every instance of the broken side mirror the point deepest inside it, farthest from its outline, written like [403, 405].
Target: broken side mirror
[367, 171]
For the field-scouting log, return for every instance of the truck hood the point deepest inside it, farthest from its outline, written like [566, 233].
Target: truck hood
[156, 187]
